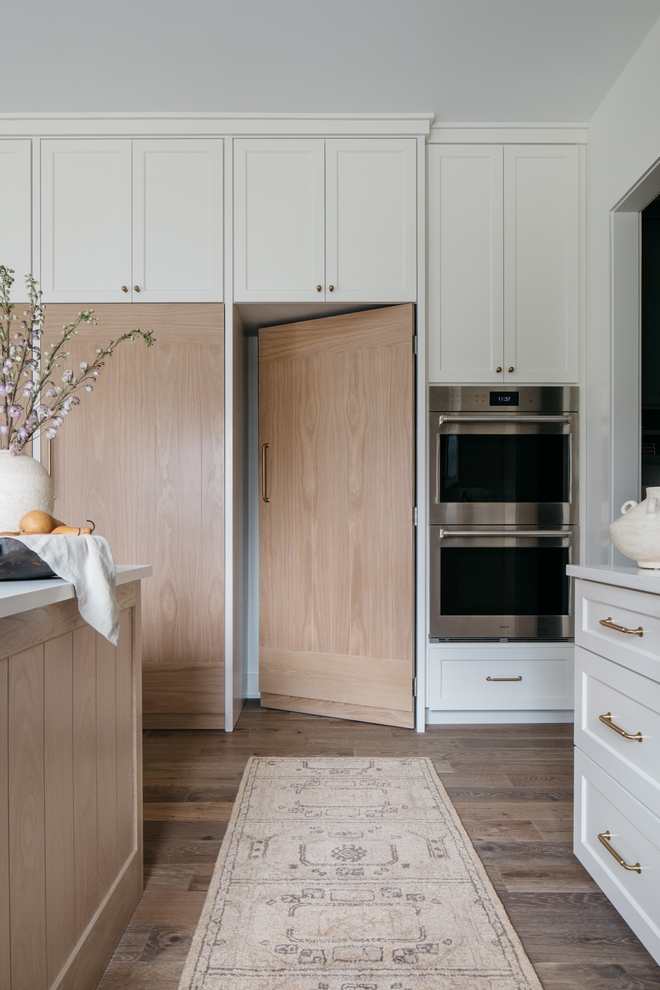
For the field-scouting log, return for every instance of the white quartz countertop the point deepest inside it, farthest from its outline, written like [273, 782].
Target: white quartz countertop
[636, 578]
[21, 596]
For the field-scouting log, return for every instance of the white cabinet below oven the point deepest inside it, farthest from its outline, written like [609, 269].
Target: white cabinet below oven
[509, 681]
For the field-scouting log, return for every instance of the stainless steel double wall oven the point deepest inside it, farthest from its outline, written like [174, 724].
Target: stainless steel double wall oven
[503, 511]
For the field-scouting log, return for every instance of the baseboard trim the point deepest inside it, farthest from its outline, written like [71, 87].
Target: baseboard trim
[88, 961]
[182, 720]
[497, 717]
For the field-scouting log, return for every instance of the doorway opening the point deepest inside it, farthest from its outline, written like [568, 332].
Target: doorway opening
[650, 270]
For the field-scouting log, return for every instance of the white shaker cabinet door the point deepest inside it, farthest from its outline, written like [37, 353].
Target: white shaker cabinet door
[541, 263]
[371, 220]
[16, 212]
[86, 221]
[279, 226]
[465, 257]
[177, 221]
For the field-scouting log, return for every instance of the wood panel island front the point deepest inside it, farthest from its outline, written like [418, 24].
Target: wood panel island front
[70, 783]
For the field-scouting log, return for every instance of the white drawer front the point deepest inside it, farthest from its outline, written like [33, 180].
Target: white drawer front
[603, 688]
[603, 806]
[509, 684]
[629, 609]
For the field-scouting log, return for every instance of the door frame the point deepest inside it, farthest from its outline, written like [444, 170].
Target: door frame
[625, 349]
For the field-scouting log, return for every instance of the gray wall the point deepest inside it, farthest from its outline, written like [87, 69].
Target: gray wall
[462, 59]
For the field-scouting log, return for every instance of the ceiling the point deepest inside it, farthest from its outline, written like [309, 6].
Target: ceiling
[465, 60]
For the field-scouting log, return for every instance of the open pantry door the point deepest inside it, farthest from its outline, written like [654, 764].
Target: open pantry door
[336, 425]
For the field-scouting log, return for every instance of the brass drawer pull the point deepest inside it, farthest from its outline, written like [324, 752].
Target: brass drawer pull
[518, 678]
[606, 719]
[605, 837]
[264, 476]
[612, 625]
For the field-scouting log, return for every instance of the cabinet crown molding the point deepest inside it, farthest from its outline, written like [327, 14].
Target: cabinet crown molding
[457, 132]
[215, 124]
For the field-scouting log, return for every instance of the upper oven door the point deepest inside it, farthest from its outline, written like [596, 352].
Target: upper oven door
[503, 468]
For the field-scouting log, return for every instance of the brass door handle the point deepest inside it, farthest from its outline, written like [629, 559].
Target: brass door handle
[518, 678]
[612, 625]
[137, 288]
[331, 288]
[124, 288]
[605, 838]
[318, 288]
[264, 476]
[511, 369]
[498, 369]
[606, 719]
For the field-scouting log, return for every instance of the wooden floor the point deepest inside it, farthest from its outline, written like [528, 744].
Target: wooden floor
[511, 785]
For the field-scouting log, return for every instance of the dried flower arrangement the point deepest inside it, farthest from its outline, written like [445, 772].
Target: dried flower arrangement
[31, 402]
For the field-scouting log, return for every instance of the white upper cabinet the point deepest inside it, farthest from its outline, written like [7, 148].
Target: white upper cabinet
[371, 220]
[541, 263]
[325, 220]
[279, 236]
[129, 220]
[465, 263]
[177, 220]
[85, 220]
[16, 212]
[504, 263]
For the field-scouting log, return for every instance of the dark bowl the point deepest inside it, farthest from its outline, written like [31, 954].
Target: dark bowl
[17, 563]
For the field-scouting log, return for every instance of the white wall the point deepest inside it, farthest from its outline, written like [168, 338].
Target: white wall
[624, 144]
[461, 59]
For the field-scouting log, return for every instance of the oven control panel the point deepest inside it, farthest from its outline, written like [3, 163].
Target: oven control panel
[526, 398]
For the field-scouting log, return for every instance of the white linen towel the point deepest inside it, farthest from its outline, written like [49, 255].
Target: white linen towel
[87, 562]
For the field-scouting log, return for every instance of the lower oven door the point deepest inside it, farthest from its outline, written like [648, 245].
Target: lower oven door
[501, 583]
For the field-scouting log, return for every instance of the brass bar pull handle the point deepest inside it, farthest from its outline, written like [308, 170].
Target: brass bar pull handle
[606, 719]
[605, 838]
[264, 475]
[518, 678]
[612, 625]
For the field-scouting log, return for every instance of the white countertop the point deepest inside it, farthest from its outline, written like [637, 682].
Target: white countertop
[21, 596]
[637, 578]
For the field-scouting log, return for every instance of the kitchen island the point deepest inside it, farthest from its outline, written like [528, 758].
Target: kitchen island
[617, 739]
[70, 783]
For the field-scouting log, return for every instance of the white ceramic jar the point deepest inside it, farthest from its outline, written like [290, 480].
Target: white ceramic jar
[636, 533]
[24, 485]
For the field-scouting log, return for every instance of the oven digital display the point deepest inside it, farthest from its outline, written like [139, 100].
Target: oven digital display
[505, 398]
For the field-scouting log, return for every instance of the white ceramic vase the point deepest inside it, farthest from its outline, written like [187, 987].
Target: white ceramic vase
[24, 485]
[636, 533]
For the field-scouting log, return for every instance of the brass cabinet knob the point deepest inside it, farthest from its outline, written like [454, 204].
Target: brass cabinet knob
[318, 288]
[137, 288]
[498, 369]
[511, 369]
[331, 288]
[124, 288]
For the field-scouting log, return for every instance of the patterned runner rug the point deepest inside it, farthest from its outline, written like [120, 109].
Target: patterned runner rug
[351, 874]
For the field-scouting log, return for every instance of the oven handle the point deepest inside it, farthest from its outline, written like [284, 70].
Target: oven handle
[443, 533]
[511, 418]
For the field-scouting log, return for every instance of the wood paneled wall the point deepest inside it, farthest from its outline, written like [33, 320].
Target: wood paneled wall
[143, 456]
[70, 794]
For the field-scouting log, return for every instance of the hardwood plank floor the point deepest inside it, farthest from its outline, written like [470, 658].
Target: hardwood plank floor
[511, 785]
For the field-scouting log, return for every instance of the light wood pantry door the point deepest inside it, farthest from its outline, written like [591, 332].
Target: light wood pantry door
[336, 520]
[143, 456]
